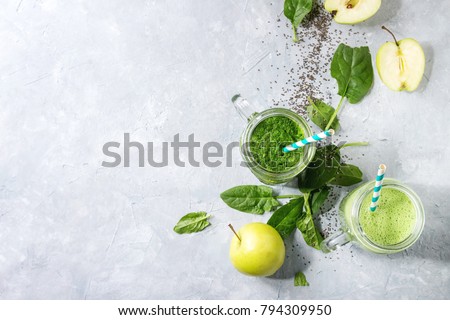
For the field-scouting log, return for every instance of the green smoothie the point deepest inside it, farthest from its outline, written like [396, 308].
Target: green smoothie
[392, 222]
[268, 139]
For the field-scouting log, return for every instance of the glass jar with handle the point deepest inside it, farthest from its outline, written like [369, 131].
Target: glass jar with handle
[395, 225]
[263, 138]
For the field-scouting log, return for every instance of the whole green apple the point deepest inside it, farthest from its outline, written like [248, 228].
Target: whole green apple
[257, 249]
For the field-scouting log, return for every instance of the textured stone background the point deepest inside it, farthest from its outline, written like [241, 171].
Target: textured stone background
[76, 74]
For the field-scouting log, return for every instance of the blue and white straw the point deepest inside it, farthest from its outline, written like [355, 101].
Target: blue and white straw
[377, 189]
[304, 142]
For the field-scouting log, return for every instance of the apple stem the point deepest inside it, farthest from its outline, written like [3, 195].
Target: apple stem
[234, 231]
[393, 36]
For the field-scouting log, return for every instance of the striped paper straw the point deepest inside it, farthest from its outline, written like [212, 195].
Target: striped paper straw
[377, 189]
[304, 142]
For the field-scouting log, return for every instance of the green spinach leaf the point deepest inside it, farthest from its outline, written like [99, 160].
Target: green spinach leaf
[284, 218]
[192, 222]
[250, 199]
[300, 280]
[318, 198]
[320, 113]
[295, 11]
[307, 227]
[321, 170]
[347, 175]
[352, 69]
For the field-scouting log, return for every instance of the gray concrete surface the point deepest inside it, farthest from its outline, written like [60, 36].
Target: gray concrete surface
[77, 74]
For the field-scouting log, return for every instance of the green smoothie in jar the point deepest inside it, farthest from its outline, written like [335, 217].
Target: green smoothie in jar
[395, 225]
[268, 139]
[266, 134]
[393, 221]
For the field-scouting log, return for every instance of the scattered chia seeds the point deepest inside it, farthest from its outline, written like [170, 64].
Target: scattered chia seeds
[302, 70]
[305, 65]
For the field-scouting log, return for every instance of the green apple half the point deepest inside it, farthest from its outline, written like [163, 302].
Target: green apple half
[257, 249]
[401, 64]
[352, 11]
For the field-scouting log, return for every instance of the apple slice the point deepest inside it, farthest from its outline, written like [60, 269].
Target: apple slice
[352, 11]
[401, 64]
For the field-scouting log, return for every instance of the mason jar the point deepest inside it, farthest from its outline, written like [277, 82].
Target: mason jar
[253, 118]
[351, 230]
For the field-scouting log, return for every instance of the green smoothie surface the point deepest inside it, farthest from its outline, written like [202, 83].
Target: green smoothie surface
[268, 139]
[392, 222]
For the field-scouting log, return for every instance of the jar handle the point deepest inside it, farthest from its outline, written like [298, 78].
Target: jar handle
[334, 241]
[243, 107]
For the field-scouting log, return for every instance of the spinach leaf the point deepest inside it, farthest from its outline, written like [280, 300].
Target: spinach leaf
[295, 11]
[321, 170]
[318, 198]
[300, 280]
[250, 199]
[310, 234]
[320, 113]
[347, 175]
[306, 225]
[285, 217]
[352, 69]
[192, 222]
